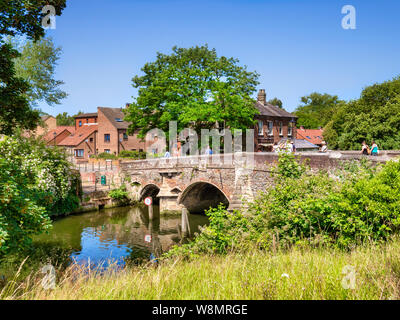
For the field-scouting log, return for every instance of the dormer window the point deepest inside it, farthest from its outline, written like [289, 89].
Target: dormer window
[80, 123]
[118, 119]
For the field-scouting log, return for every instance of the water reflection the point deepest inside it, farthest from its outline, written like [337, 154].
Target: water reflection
[115, 235]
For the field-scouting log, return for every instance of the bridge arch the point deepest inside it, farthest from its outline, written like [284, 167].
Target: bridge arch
[149, 190]
[200, 196]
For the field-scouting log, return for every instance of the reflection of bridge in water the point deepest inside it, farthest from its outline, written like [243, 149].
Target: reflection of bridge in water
[200, 182]
[119, 232]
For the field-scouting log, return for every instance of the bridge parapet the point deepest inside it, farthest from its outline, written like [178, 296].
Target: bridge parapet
[197, 182]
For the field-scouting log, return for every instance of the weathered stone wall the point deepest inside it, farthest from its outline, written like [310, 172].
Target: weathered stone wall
[199, 181]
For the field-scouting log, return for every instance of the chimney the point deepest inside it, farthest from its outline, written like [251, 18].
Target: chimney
[262, 97]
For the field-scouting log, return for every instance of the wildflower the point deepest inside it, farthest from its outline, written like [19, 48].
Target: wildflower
[285, 275]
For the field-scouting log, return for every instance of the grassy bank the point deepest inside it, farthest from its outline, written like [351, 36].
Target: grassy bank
[297, 274]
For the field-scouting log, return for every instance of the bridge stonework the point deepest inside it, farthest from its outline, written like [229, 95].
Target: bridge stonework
[200, 182]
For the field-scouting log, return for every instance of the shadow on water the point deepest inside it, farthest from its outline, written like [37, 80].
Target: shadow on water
[116, 236]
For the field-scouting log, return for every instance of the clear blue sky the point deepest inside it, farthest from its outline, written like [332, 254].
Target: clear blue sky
[297, 46]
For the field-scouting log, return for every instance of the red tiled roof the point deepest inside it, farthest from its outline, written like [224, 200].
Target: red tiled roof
[314, 136]
[50, 134]
[80, 135]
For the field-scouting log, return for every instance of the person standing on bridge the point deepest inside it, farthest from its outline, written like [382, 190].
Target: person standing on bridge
[167, 154]
[208, 151]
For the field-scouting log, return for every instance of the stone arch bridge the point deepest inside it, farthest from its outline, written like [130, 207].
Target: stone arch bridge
[200, 182]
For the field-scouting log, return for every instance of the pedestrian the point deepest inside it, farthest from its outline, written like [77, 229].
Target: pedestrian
[374, 149]
[324, 147]
[167, 154]
[208, 151]
[365, 149]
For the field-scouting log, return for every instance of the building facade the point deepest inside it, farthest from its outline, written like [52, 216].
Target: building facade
[273, 124]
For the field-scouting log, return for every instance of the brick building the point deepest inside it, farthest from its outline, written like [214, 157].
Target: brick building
[273, 124]
[102, 132]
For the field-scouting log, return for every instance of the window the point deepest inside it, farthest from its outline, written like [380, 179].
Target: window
[270, 128]
[125, 136]
[290, 129]
[80, 123]
[280, 128]
[87, 120]
[107, 137]
[79, 153]
[260, 127]
[107, 150]
[91, 139]
[118, 119]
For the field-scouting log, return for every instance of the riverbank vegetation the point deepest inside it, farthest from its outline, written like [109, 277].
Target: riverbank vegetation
[314, 236]
[36, 183]
[298, 273]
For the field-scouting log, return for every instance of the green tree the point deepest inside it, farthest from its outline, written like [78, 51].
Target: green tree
[18, 17]
[374, 116]
[194, 87]
[316, 110]
[36, 65]
[276, 102]
[63, 119]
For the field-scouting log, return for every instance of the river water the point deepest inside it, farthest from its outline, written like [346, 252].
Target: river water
[118, 235]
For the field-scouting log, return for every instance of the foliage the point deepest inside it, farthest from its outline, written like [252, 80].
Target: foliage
[374, 116]
[276, 102]
[14, 106]
[19, 17]
[120, 193]
[358, 204]
[63, 119]
[194, 87]
[105, 155]
[21, 215]
[296, 274]
[316, 110]
[36, 182]
[132, 154]
[36, 65]
[288, 167]
[25, 17]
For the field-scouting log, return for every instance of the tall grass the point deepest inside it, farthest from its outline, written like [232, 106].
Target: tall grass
[295, 274]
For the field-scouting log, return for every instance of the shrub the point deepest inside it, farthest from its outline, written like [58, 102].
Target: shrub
[120, 194]
[105, 155]
[309, 209]
[132, 154]
[36, 181]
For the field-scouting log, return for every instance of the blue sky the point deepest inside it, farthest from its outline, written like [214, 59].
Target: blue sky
[297, 46]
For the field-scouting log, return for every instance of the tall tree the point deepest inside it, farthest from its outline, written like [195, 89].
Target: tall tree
[276, 102]
[36, 65]
[196, 88]
[374, 116]
[64, 119]
[317, 110]
[18, 17]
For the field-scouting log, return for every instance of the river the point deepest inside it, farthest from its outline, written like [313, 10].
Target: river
[118, 235]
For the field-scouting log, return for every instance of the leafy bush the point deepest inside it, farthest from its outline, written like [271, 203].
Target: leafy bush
[132, 154]
[119, 194]
[105, 155]
[21, 216]
[36, 181]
